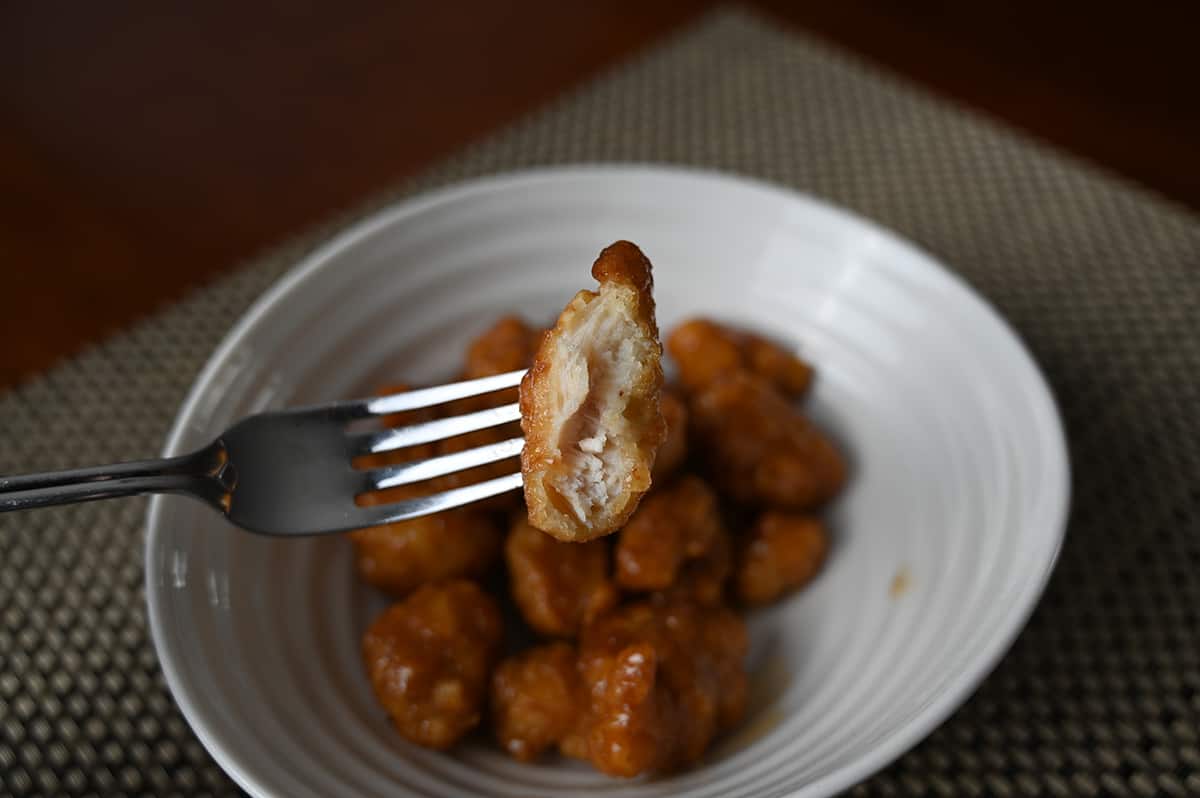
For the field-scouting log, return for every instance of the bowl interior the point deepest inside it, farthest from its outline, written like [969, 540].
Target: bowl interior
[943, 540]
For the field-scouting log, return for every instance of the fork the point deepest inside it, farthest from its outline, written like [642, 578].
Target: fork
[290, 472]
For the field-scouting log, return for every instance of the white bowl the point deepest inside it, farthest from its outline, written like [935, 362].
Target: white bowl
[943, 541]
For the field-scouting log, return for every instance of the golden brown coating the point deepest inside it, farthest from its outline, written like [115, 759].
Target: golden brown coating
[557, 586]
[429, 659]
[590, 404]
[663, 680]
[537, 699]
[677, 523]
[398, 558]
[781, 553]
[674, 449]
[706, 351]
[760, 449]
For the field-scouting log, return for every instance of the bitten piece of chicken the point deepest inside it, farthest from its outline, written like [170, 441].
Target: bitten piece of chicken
[590, 404]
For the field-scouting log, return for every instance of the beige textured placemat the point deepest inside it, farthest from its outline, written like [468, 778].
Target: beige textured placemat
[1101, 694]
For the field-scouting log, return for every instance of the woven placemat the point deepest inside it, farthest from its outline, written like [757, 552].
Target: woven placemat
[1100, 695]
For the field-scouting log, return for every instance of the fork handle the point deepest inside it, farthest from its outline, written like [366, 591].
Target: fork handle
[202, 474]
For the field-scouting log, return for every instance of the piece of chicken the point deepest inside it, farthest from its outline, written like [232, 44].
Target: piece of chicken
[760, 449]
[782, 552]
[557, 586]
[538, 700]
[674, 524]
[706, 351]
[590, 404]
[663, 680]
[400, 557]
[430, 657]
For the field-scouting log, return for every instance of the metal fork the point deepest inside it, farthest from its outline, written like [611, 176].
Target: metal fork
[290, 472]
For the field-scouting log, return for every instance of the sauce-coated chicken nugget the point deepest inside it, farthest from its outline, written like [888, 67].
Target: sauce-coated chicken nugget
[706, 351]
[557, 586]
[398, 558]
[663, 680]
[429, 659]
[760, 449]
[590, 404]
[537, 699]
[781, 553]
[677, 523]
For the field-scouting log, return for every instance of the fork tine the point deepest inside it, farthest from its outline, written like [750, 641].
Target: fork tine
[407, 473]
[427, 505]
[428, 431]
[440, 394]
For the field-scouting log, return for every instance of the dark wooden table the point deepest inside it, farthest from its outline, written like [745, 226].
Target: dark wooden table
[145, 147]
